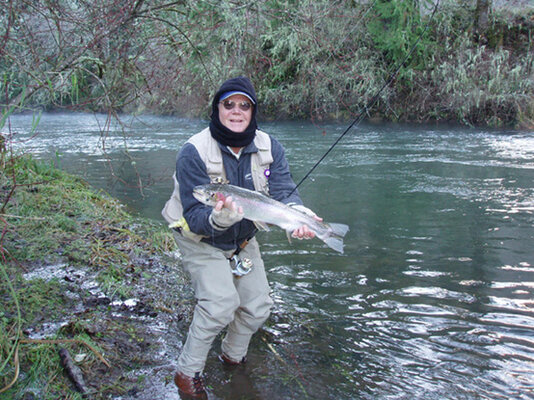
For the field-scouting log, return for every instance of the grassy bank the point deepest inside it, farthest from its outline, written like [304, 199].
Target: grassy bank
[69, 257]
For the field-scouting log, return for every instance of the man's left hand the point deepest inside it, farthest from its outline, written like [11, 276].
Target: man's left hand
[304, 232]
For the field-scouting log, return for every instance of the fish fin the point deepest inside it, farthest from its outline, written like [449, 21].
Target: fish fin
[335, 242]
[334, 239]
[262, 226]
[288, 234]
[339, 229]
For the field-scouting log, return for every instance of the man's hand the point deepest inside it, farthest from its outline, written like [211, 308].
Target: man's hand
[225, 214]
[304, 231]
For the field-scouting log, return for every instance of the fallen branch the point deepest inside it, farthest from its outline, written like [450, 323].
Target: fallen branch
[62, 341]
[22, 217]
[270, 346]
[73, 371]
[54, 341]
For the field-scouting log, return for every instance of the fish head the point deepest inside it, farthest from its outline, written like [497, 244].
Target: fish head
[208, 194]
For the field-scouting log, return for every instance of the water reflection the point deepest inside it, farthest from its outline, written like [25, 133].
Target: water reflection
[433, 296]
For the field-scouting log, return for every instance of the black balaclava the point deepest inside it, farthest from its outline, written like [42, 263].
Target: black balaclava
[220, 132]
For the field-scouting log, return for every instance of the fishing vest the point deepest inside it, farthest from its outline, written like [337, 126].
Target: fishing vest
[210, 153]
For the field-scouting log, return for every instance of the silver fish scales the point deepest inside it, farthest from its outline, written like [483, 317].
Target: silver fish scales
[264, 211]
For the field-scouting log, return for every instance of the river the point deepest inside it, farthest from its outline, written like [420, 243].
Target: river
[434, 295]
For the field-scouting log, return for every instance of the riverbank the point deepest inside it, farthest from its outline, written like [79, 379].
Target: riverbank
[79, 273]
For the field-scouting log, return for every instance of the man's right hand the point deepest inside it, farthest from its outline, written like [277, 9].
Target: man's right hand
[225, 214]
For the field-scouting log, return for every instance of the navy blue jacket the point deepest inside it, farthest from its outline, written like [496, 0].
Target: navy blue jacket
[191, 171]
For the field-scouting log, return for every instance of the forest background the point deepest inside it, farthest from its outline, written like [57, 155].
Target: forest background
[315, 60]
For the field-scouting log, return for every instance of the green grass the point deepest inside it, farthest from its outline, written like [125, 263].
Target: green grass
[47, 217]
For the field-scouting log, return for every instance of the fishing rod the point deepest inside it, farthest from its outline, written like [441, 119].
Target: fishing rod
[371, 103]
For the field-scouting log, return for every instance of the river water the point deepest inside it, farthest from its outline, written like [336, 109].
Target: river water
[434, 295]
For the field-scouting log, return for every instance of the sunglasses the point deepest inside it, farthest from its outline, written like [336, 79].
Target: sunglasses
[229, 105]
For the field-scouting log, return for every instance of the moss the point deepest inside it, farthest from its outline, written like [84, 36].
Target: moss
[51, 213]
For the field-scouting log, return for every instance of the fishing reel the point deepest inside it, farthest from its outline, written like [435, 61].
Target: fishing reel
[240, 267]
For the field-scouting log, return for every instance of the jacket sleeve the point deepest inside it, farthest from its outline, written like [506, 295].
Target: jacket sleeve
[190, 172]
[281, 185]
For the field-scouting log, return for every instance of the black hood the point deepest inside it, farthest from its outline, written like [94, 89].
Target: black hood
[240, 84]
[221, 133]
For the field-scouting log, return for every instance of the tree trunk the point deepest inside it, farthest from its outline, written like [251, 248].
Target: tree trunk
[482, 19]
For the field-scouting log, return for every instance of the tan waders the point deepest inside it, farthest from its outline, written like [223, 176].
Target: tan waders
[241, 303]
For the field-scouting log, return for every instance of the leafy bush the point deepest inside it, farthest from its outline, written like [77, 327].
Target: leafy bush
[484, 85]
[309, 59]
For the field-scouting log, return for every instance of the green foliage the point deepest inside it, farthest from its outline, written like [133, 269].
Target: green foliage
[308, 59]
[22, 307]
[318, 63]
[484, 85]
[395, 28]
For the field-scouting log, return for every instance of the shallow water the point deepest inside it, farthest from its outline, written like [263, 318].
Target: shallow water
[433, 297]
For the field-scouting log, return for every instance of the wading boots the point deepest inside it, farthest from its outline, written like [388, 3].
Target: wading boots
[227, 361]
[190, 387]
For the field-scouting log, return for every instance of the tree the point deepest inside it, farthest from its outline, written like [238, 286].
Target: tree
[482, 11]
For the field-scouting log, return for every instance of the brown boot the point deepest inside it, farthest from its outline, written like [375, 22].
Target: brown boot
[227, 361]
[192, 386]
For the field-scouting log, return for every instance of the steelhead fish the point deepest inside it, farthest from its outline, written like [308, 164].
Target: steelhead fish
[264, 210]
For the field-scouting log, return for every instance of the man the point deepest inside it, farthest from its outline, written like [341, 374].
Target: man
[213, 240]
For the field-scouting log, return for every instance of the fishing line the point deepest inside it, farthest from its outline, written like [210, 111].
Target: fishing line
[371, 103]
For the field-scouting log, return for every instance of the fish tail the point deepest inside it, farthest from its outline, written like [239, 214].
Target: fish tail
[339, 229]
[334, 238]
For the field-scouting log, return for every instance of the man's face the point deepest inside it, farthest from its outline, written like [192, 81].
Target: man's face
[236, 119]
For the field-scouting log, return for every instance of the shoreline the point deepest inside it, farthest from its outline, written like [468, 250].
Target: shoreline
[86, 286]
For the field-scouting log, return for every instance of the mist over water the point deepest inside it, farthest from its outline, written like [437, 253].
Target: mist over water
[434, 295]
